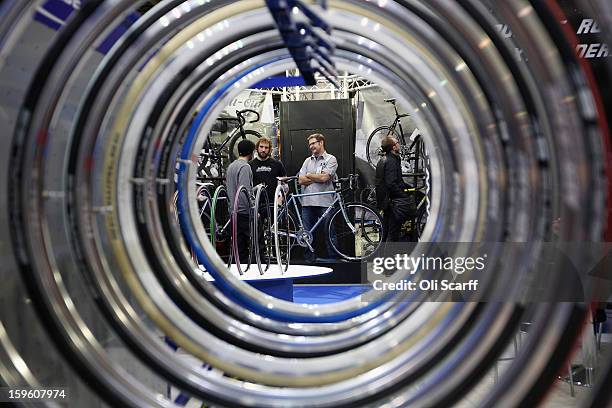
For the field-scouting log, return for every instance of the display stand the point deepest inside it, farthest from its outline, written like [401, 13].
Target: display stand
[273, 282]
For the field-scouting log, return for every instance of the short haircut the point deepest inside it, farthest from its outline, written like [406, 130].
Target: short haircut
[387, 143]
[318, 136]
[264, 140]
[245, 147]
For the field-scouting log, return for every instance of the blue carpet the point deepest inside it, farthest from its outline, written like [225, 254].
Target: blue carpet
[320, 294]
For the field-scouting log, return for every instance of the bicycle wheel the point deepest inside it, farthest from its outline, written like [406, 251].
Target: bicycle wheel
[373, 149]
[284, 230]
[368, 196]
[421, 217]
[262, 237]
[358, 231]
[252, 135]
[240, 220]
[219, 223]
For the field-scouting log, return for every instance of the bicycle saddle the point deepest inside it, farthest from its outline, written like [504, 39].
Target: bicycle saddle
[392, 100]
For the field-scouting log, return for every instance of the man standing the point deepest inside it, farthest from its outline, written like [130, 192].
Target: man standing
[265, 168]
[316, 175]
[239, 173]
[390, 185]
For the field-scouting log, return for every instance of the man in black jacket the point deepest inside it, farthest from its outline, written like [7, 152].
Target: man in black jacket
[390, 185]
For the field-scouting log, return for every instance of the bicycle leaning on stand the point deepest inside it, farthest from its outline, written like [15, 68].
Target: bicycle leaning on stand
[357, 227]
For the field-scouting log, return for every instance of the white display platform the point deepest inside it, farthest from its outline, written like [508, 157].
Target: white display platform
[294, 271]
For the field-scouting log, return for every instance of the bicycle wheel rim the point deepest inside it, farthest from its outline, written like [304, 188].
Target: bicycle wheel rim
[373, 148]
[261, 196]
[279, 221]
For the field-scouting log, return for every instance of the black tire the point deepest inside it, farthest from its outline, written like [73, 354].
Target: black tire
[262, 230]
[373, 150]
[252, 135]
[421, 220]
[243, 265]
[367, 234]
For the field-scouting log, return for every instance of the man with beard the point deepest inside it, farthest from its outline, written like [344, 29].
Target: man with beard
[265, 171]
[265, 168]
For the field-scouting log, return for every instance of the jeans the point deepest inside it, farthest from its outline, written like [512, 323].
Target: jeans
[310, 216]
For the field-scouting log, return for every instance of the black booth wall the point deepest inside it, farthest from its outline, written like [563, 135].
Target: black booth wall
[333, 118]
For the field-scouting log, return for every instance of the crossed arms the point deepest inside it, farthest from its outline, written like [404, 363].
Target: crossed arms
[310, 178]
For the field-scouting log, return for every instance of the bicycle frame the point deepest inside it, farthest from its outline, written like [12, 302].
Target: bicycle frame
[338, 199]
[228, 138]
[398, 122]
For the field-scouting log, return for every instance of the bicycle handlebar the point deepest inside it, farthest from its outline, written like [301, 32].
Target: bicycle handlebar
[241, 117]
[351, 178]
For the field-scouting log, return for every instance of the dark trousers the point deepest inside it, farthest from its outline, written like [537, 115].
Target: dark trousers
[243, 237]
[310, 216]
[392, 228]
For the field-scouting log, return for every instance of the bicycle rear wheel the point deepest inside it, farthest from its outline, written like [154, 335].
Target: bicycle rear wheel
[373, 146]
[284, 227]
[252, 135]
[242, 199]
[358, 231]
[262, 230]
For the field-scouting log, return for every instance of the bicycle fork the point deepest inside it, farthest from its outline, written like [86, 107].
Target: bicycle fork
[345, 215]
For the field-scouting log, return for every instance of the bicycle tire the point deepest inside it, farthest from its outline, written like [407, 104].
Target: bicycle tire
[251, 135]
[357, 213]
[373, 149]
[282, 230]
[241, 192]
[262, 203]
[421, 220]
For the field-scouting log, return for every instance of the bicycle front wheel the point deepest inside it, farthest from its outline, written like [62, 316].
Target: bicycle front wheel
[284, 227]
[357, 230]
[252, 135]
[373, 146]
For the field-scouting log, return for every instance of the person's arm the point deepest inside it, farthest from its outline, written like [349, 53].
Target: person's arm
[303, 180]
[327, 173]
[318, 178]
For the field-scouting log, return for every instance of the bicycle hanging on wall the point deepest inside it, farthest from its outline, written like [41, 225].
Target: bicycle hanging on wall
[412, 154]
